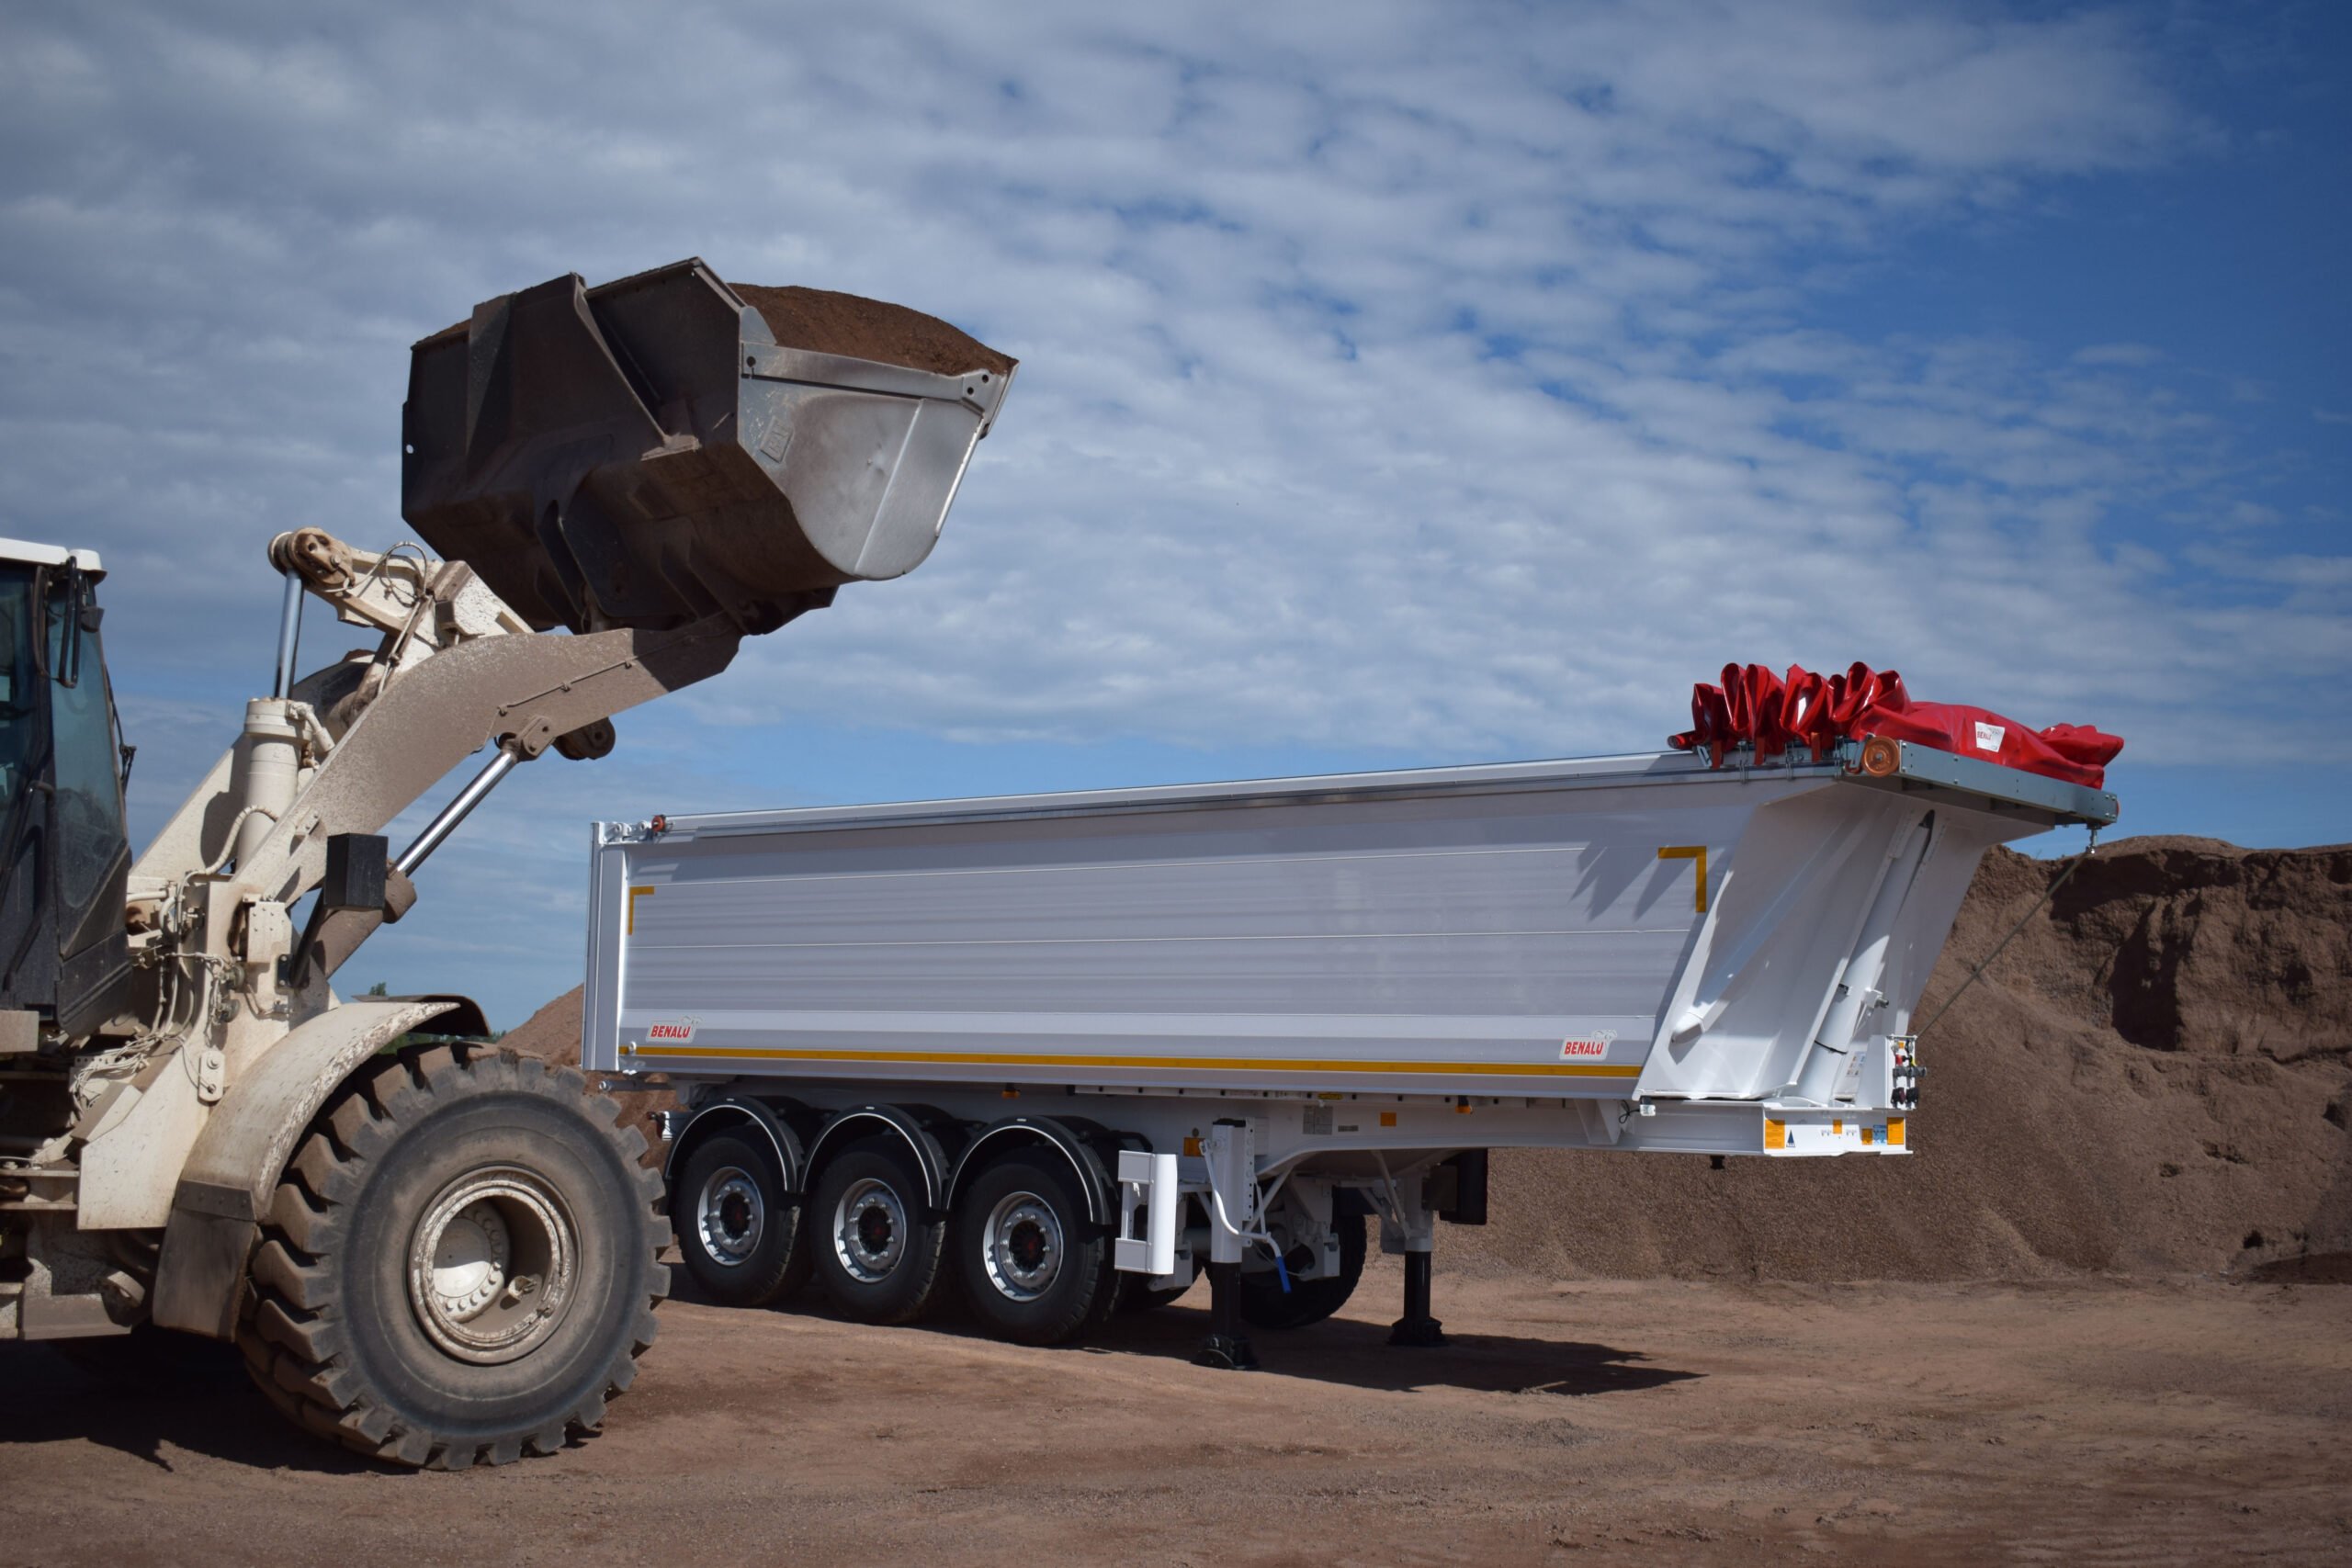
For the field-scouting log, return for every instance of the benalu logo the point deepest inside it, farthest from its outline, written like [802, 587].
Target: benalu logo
[1593, 1044]
[677, 1034]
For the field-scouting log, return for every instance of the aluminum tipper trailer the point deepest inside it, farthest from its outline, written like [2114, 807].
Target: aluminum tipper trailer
[1070, 1047]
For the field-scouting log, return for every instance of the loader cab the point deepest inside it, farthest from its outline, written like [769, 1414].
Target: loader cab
[64, 851]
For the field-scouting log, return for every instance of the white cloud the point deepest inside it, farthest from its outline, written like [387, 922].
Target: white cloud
[1434, 377]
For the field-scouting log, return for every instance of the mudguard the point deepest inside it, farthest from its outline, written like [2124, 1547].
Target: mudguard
[232, 1173]
[1093, 1180]
[734, 1111]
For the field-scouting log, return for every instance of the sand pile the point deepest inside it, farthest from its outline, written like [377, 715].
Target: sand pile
[2153, 1078]
[826, 323]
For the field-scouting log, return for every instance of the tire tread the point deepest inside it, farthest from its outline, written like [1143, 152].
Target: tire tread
[291, 1341]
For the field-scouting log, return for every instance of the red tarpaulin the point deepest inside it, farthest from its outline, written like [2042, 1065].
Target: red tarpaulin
[1775, 713]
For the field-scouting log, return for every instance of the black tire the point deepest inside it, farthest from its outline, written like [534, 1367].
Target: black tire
[875, 1248]
[151, 1360]
[376, 1318]
[738, 1230]
[1135, 1295]
[1036, 1271]
[1265, 1304]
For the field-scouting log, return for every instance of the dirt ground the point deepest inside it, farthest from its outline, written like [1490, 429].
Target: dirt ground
[1597, 1421]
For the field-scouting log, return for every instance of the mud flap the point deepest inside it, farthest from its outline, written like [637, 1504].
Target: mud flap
[202, 1266]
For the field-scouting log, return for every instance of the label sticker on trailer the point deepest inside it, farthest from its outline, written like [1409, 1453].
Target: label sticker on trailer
[1840, 1133]
[678, 1033]
[1577, 1045]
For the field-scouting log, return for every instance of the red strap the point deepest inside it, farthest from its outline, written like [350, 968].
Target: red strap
[1770, 714]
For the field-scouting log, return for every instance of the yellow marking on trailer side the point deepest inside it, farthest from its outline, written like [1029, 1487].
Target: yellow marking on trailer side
[1208, 1064]
[1776, 1134]
[1691, 851]
[630, 927]
[1894, 1132]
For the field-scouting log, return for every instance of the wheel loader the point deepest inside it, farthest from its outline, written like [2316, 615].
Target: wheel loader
[427, 1250]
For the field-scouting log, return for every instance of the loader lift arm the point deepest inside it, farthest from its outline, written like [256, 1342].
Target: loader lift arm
[614, 485]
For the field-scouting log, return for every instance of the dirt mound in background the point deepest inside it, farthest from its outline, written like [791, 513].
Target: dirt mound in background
[552, 1035]
[2153, 1077]
[825, 322]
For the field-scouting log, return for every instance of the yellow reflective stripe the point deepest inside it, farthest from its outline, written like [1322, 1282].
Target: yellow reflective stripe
[1691, 851]
[1203, 1064]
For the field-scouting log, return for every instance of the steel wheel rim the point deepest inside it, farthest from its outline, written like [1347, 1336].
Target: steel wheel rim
[1022, 1247]
[730, 1216]
[493, 1265]
[869, 1231]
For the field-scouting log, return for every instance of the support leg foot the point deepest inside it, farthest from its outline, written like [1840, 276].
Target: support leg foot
[1227, 1347]
[1417, 1327]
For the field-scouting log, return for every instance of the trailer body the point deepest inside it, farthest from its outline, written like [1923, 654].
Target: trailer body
[1622, 929]
[1330, 984]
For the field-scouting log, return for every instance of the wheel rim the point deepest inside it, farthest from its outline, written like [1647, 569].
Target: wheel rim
[1021, 1247]
[869, 1231]
[491, 1265]
[730, 1216]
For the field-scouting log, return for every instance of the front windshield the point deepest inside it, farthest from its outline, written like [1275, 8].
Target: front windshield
[19, 717]
[85, 833]
[88, 767]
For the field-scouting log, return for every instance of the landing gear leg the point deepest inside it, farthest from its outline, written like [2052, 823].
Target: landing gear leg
[1227, 1347]
[1407, 1225]
[1232, 1170]
[1417, 1327]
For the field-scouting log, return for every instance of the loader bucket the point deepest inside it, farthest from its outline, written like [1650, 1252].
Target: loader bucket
[666, 447]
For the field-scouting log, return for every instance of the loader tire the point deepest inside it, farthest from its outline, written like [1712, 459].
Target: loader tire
[460, 1264]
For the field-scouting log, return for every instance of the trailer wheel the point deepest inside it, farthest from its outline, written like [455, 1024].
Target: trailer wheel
[738, 1231]
[1036, 1271]
[1136, 1296]
[1265, 1304]
[874, 1247]
[461, 1263]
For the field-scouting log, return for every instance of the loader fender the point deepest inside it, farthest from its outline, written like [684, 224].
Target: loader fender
[1014, 1131]
[871, 1121]
[736, 1110]
[232, 1173]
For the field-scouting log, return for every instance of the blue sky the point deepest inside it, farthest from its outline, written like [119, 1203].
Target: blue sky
[1400, 383]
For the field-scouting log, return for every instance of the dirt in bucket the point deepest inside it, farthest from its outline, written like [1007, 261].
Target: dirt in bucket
[825, 322]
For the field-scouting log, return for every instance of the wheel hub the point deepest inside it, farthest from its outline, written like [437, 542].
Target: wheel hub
[731, 1217]
[492, 1264]
[1023, 1246]
[869, 1231]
